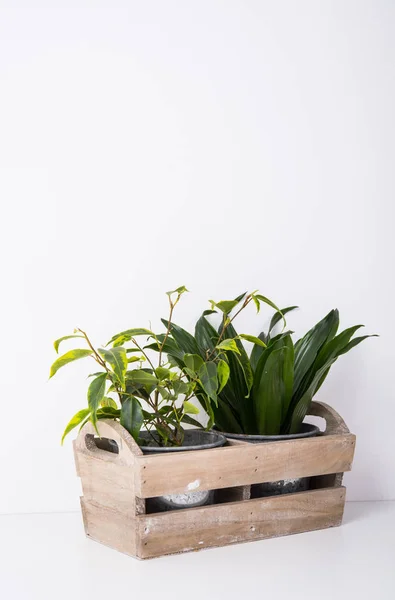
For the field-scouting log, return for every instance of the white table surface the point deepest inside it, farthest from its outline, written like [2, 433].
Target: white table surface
[47, 557]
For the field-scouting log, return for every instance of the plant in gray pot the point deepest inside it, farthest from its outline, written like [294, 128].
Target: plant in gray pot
[153, 402]
[263, 396]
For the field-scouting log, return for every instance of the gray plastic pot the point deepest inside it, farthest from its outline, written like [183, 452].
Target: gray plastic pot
[195, 439]
[283, 486]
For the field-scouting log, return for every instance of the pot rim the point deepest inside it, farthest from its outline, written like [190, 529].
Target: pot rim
[310, 430]
[218, 439]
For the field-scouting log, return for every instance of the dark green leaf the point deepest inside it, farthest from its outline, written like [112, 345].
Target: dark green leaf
[193, 362]
[206, 336]
[185, 341]
[272, 391]
[306, 350]
[209, 380]
[67, 358]
[191, 421]
[78, 418]
[256, 351]
[279, 315]
[132, 417]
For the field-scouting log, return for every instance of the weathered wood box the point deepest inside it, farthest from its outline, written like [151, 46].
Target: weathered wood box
[116, 486]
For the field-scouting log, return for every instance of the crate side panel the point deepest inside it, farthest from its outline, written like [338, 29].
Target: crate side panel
[220, 525]
[242, 465]
[109, 527]
[109, 484]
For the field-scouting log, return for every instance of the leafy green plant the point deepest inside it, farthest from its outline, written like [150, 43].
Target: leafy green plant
[157, 398]
[268, 392]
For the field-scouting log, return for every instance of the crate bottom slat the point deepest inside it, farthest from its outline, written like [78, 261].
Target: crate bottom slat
[148, 536]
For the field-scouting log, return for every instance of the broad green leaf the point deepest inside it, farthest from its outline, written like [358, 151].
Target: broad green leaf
[208, 378]
[127, 335]
[180, 387]
[184, 340]
[225, 418]
[257, 350]
[117, 359]
[280, 315]
[253, 339]
[300, 410]
[162, 373]
[67, 358]
[193, 362]
[108, 402]
[306, 350]
[206, 336]
[355, 342]
[78, 418]
[132, 417]
[274, 390]
[96, 391]
[223, 374]
[143, 377]
[65, 337]
[190, 408]
[228, 345]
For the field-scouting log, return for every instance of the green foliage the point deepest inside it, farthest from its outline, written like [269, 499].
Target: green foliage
[270, 391]
[156, 397]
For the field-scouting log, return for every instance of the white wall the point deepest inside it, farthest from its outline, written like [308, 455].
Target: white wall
[224, 145]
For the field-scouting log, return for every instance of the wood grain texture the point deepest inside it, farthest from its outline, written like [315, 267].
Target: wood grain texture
[242, 465]
[223, 524]
[334, 422]
[109, 527]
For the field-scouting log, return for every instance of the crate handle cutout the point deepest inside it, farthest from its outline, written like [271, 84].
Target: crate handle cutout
[110, 430]
[334, 423]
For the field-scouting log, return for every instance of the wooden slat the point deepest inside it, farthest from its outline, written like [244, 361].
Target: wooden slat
[109, 527]
[217, 468]
[220, 525]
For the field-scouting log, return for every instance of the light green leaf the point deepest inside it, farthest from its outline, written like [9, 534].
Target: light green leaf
[228, 345]
[96, 391]
[127, 335]
[108, 402]
[67, 358]
[253, 339]
[223, 374]
[162, 373]
[65, 337]
[132, 417]
[117, 359]
[76, 420]
[190, 408]
[133, 359]
[193, 362]
[180, 290]
[226, 306]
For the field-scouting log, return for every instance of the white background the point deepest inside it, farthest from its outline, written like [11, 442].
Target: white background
[222, 145]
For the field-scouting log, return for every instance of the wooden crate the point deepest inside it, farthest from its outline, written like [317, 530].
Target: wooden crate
[115, 487]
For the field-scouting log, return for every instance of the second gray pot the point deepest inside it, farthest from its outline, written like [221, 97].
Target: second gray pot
[283, 486]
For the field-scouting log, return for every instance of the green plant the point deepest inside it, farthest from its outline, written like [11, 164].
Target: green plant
[270, 391]
[156, 397]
